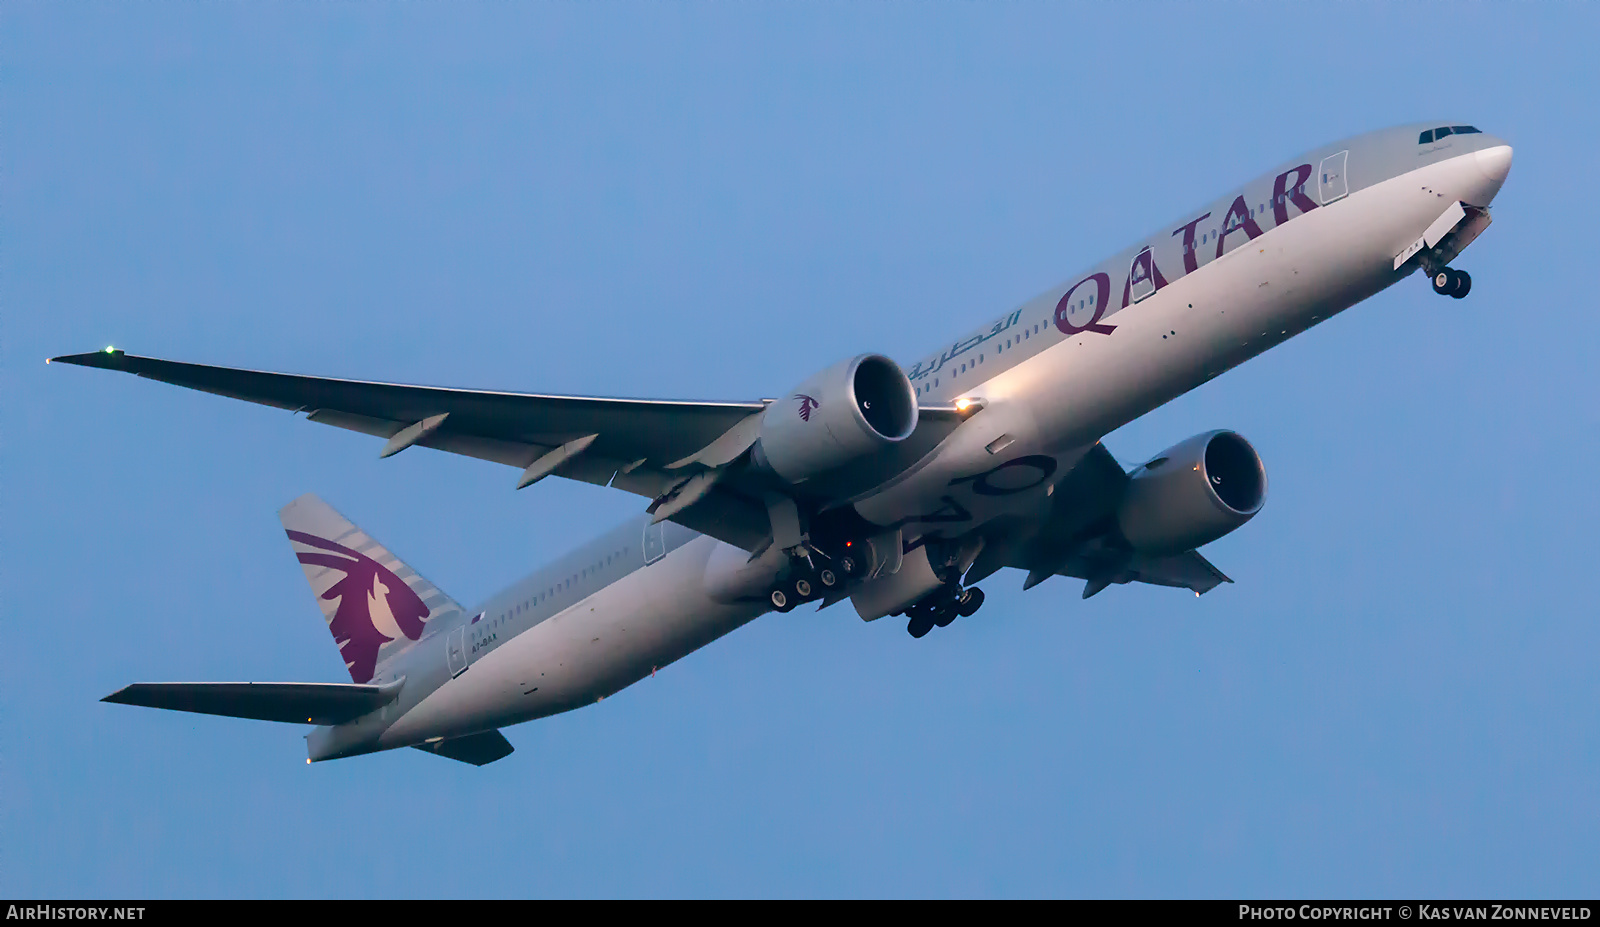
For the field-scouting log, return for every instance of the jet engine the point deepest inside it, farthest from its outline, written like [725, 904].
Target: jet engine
[850, 410]
[1192, 493]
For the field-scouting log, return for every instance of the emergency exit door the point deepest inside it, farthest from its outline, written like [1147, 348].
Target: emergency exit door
[455, 651]
[1331, 183]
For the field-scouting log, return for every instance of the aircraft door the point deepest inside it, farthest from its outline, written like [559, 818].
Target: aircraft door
[655, 542]
[455, 651]
[1331, 183]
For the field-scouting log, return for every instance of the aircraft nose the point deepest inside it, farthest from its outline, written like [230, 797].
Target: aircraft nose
[1495, 163]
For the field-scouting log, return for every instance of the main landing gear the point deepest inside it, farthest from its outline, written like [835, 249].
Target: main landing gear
[810, 578]
[1449, 282]
[942, 607]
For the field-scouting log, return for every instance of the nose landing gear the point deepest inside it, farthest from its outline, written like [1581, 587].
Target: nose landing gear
[1450, 282]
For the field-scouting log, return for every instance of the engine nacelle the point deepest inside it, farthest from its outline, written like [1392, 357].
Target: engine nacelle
[1192, 493]
[849, 410]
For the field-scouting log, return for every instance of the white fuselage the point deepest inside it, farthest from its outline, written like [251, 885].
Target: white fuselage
[1051, 389]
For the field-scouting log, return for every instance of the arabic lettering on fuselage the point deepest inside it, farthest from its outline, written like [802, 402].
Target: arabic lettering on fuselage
[926, 367]
[1288, 189]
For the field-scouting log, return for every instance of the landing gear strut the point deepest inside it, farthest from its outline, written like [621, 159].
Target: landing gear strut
[942, 607]
[1450, 282]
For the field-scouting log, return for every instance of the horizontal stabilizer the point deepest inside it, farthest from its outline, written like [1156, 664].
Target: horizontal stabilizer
[293, 702]
[477, 749]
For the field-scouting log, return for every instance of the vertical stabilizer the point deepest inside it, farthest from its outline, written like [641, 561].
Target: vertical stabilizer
[375, 605]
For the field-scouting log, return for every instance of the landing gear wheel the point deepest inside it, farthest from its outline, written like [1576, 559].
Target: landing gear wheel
[827, 578]
[802, 588]
[847, 565]
[921, 623]
[779, 600]
[943, 616]
[970, 602]
[1451, 282]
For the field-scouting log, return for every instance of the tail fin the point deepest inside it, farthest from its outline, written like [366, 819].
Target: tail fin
[376, 606]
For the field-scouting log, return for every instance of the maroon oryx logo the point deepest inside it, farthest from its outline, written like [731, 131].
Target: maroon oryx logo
[367, 584]
[806, 405]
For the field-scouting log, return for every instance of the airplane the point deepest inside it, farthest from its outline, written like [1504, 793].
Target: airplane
[897, 487]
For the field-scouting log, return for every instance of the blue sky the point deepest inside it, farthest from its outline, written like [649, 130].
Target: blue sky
[1398, 697]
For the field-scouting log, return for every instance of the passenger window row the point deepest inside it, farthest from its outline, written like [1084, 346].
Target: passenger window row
[1010, 342]
[1256, 212]
[549, 593]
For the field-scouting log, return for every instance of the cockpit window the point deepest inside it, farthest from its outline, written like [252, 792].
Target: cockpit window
[1443, 132]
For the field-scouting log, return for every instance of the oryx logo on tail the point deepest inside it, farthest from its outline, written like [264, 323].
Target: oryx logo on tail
[807, 404]
[374, 605]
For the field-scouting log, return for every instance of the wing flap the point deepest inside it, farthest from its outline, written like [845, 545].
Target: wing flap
[290, 702]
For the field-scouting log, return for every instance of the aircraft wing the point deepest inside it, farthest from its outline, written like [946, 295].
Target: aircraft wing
[1188, 570]
[508, 428]
[645, 446]
[292, 702]
[1077, 539]
[628, 443]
